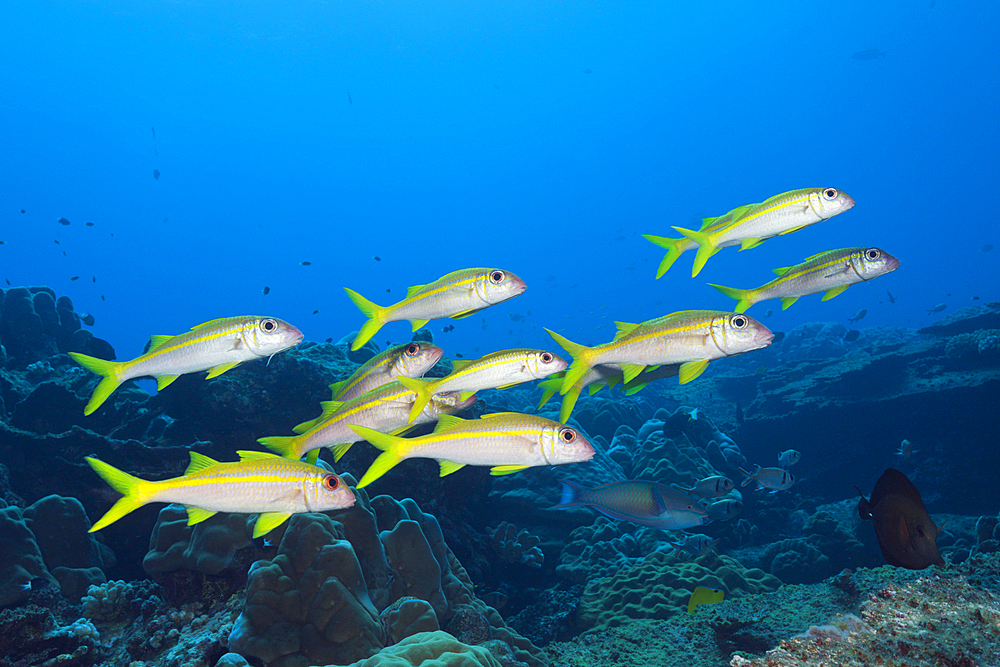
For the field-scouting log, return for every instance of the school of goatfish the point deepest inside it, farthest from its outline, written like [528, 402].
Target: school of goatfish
[387, 396]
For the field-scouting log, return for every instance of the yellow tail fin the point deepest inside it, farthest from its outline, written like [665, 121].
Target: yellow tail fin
[580, 364]
[674, 249]
[107, 386]
[130, 487]
[375, 314]
[743, 297]
[285, 445]
[393, 450]
[424, 391]
[706, 248]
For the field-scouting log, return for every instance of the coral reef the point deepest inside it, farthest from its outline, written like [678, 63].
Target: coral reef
[515, 547]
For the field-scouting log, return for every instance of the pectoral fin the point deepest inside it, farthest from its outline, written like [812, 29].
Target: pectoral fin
[448, 467]
[163, 381]
[197, 515]
[750, 243]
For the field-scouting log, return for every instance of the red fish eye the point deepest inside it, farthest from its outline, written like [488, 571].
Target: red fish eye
[496, 277]
[331, 482]
[268, 325]
[412, 349]
[872, 254]
[546, 357]
[739, 322]
[830, 193]
[567, 435]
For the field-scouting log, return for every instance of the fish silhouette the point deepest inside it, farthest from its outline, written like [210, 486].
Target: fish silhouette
[906, 533]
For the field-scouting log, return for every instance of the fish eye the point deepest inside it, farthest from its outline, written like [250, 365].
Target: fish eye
[268, 325]
[830, 194]
[331, 482]
[567, 435]
[872, 254]
[411, 350]
[739, 321]
[496, 277]
[920, 531]
[546, 357]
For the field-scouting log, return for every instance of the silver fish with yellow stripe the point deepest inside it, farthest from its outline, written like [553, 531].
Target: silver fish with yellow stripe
[259, 483]
[456, 295]
[754, 223]
[412, 360]
[506, 441]
[215, 346]
[832, 272]
[690, 338]
[386, 408]
[497, 370]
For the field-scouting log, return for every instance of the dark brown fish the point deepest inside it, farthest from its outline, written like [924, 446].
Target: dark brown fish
[156, 174]
[63, 221]
[906, 533]
[266, 290]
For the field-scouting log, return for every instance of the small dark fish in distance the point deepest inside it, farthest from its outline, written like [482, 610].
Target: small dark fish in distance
[266, 290]
[93, 279]
[3, 243]
[986, 248]
[22, 210]
[89, 224]
[102, 298]
[156, 174]
[936, 309]
[87, 319]
[8, 281]
[869, 54]
[153, 130]
[458, 354]
[349, 100]
[892, 299]
[329, 340]
[778, 336]
[387, 291]
[494, 599]
[906, 533]
[860, 315]
[57, 242]
[305, 263]
[975, 298]
[316, 311]
[377, 258]
[74, 278]
[852, 335]
[63, 221]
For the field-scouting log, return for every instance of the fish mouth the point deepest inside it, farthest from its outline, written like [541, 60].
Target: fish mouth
[891, 264]
[294, 335]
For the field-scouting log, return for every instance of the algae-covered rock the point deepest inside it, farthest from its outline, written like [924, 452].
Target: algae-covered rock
[660, 586]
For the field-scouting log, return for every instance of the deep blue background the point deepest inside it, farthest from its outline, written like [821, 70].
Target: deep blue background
[538, 137]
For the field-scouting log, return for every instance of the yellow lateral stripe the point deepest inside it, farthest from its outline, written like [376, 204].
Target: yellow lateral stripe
[643, 336]
[435, 291]
[485, 364]
[170, 346]
[764, 208]
[372, 402]
[446, 436]
[805, 270]
[228, 478]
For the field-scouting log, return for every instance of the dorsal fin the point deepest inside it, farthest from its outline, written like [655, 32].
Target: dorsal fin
[410, 291]
[812, 257]
[209, 323]
[247, 455]
[199, 462]
[459, 364]
[447, 421]
[740, 211]
[782, 270]
[501, 414]
[624, 329]
[156, 340]
[708, 222]
[337, 387]
[329, 408]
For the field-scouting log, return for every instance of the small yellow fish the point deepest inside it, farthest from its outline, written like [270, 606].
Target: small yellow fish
[259, 482]
[456, 295]
[215, 346]
[703, 595]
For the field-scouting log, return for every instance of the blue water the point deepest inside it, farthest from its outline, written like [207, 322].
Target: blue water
[539, 138]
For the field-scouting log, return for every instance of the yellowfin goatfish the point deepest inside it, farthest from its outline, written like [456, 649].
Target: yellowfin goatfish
[385, 408]
[456, 295]
[776, 479]
[645, 503]
[497, 370]
[781, 214]
[703, 595]
[676, 247]
[412, 360]
[690, 338]
[274, 487]
[831, 272]
[214, 346]
[507, 441]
